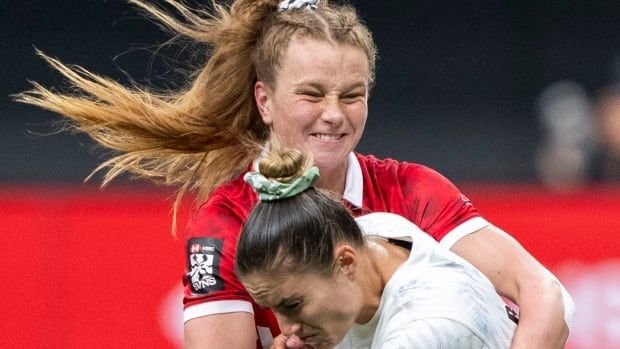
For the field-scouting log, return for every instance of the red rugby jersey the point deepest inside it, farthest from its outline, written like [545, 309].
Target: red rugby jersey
[416, 192]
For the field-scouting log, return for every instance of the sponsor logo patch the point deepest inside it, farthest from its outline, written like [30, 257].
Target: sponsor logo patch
[204, 256]
[465, 200]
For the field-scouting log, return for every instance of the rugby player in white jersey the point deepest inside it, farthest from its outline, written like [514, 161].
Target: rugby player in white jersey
[377, 281]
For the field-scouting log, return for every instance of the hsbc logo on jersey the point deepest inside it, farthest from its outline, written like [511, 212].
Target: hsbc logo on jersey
[204, 256]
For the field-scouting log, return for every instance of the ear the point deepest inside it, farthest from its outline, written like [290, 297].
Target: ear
[262, 95]
[347, 260]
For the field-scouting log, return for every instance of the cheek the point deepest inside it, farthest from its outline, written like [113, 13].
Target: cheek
[305, 113]
[295, 115]
[358, 114]
[331, 319]
[337, 308]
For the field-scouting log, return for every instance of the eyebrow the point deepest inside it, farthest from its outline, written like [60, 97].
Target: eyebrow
[359, 84]
[318, 86]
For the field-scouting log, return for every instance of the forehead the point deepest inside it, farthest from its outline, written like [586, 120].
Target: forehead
[312, 59]
[268, 290]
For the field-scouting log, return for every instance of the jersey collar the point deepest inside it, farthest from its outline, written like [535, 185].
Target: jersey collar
[354, 182]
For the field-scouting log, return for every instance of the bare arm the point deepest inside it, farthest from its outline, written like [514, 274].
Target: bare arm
[521, 278]
[221, 331]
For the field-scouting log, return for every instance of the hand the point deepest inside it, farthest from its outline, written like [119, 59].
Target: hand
[282, 342]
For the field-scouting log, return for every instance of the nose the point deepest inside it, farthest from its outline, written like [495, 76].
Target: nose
[288, 326]
[332, 112]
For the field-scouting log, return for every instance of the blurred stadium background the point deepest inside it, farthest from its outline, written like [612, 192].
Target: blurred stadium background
[458, 89]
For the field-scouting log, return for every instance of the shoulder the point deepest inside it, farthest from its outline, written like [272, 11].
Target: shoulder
[234, 191]
[374, 164]
[225, 209]
[388, 225]
[403, 171]
[413, 183]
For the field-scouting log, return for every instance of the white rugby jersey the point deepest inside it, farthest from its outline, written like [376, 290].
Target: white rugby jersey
[435, 299]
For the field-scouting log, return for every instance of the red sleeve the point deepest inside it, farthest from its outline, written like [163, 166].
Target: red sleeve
[435, 204]
[210, 251]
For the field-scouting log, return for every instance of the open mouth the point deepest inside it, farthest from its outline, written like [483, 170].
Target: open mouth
[328, 137]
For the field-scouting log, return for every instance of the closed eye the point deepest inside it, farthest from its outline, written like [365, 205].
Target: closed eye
[352, 98]
[310, 95]
[290, 307]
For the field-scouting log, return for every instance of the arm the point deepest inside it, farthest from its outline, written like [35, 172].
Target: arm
[521, 278]
[219, 312]
[221, 331]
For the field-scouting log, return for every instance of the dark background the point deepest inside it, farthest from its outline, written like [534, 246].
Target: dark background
[457, 81]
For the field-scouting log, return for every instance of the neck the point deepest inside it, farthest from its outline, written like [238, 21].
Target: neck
[333, 179]
[382, 262]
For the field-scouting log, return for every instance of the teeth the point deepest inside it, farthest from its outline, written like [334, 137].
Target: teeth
[326, 137]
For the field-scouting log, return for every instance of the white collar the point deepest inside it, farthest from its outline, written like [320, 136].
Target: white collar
[354, 181]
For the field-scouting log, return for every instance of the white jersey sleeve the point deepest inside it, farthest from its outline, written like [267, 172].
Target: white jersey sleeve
[433, 333]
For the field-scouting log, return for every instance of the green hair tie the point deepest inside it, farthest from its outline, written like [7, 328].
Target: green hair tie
[272, 190]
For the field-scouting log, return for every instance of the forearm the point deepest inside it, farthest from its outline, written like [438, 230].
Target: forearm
[541, 312]
[221, 331]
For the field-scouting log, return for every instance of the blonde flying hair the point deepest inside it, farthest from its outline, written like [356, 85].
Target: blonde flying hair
[203, 134]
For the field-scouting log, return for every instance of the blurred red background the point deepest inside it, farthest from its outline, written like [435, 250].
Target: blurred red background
[100, 269]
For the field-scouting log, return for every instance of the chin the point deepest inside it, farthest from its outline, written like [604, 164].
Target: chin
[330, 162]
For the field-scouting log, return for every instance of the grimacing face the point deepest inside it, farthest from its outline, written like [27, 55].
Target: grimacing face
[319, 101]
[318, 309]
